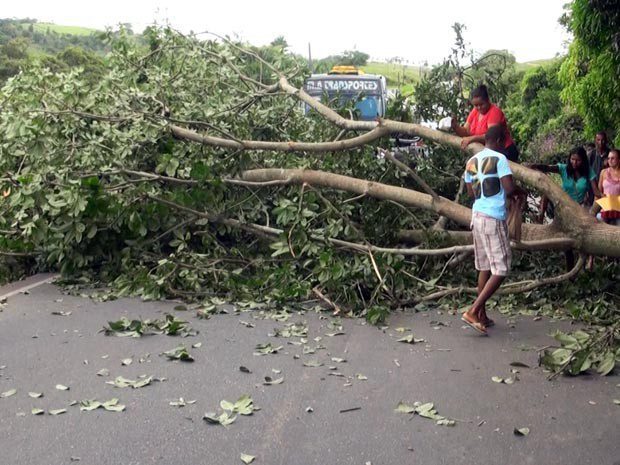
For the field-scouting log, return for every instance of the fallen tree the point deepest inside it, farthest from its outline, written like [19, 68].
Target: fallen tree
[188, 170]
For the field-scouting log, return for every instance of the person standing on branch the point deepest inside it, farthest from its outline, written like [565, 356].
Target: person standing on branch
[484, 116]
[489, 181]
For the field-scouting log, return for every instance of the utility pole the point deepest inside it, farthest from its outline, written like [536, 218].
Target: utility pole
[310, 58]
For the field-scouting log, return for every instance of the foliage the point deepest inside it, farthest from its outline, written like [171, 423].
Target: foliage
[85, 216]
[540, 123]
[170, 325]
[589, 73]
[22, 44]
[579, 351]
[49, 38]
[346, 58]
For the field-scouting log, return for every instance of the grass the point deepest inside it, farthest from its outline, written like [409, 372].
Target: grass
[534, 64]
[73, 30]
[401, 77]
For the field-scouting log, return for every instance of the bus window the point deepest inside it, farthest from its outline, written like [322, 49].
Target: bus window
[367, 91]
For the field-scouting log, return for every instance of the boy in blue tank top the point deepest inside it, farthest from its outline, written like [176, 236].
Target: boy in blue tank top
[489, 181]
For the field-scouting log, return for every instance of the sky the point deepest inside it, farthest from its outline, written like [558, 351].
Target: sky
[416, 30]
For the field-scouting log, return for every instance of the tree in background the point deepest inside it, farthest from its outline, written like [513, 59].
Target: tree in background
[590, 72]
[347, 58]
[540, 122]
[13, 55]
[444, 90]
[21, 43]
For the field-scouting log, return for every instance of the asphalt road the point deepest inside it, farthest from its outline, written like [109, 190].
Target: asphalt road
[571, 420]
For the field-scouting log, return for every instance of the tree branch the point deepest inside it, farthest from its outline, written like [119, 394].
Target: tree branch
[345, 144]
[509, 288]
[425, 187]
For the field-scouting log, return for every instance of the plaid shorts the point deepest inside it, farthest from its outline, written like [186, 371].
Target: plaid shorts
[491, 244]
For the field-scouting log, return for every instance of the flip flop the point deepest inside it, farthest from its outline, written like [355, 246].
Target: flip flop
[478, 327]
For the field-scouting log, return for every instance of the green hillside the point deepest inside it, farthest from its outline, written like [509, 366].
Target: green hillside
[534, 64]
[59, 29]
[398, 76]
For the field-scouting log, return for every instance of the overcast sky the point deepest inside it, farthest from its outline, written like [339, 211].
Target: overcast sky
[417, 30]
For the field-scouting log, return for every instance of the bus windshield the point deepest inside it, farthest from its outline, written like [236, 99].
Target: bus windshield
[369, 89]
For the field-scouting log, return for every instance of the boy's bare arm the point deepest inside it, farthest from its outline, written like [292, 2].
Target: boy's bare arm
[510, 188]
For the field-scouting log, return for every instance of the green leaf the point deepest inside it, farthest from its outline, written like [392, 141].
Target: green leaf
[35, 395]
[58, 411]
[121, 382]
[265, 349]
[37, 411]
[404, 408]
[245, 458]
[244, 405]
[88, 405]
[9, 393]
[223, 419]
[172, 166]
[225, 405]
[409, 339]
[181, 402]
[226, 419]
[521, 431]
[607, 364]
[446, 422]
[313, 364]
[179, 353]
[112, 405]
[497, 379]
[62, 387]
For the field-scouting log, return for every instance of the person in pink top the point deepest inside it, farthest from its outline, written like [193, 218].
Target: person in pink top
[609, 184]
[480, 119]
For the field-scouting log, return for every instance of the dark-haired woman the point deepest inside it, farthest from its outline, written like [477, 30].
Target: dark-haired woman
[577, 179]
[577, 176]
[482, 117]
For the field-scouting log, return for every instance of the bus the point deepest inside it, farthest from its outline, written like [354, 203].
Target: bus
[344, 84]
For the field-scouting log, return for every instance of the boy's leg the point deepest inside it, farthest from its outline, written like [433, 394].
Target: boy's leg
[496, 250]
[489, 289]
[483, 277]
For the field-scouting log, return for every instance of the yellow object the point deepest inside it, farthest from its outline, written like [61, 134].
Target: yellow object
[611, 202]
[341, 69]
